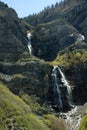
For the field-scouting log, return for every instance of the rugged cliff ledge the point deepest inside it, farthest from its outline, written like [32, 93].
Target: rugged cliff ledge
[31, 77]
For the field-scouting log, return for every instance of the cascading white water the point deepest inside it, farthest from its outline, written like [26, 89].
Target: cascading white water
[80, 38]
[59, 85]
[29, 35]
[69, 90]
[56, 89]
[72, 118]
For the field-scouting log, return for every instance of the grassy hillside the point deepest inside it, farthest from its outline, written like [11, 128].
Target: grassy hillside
[54, 123]
[15, 114]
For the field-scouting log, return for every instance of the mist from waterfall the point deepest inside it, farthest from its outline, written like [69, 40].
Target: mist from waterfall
[29, 35]
[69, 90]
[56, 89]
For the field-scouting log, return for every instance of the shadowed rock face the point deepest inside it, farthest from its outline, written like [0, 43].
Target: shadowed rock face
[77, 77]
[31, 77]
[78, 17]
[50, 38]
[12, 35]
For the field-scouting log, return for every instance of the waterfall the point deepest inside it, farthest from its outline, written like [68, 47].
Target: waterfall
[80, 38]
[62, 95]
[56, 89]
[29, 35]
[61, 89]
[69, 90]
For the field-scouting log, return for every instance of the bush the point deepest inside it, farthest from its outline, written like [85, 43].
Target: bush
[71, 58]
[83, 125]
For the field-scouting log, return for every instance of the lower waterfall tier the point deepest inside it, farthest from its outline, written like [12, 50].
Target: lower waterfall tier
[62, 91]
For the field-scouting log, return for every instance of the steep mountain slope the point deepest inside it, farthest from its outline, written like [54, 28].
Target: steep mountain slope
[57, 39]
[52, 37]
[31, 76]
[61, 35]
[17, 67]
[58, 27]
[55, 11]
[16, 114]
[78, 17]
[12, 35]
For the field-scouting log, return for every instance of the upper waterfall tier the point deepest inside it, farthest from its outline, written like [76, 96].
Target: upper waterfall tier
[29, 35]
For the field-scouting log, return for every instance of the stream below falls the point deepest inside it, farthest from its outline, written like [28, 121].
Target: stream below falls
[72, 118]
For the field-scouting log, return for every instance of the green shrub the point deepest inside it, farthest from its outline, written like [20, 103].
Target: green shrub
[71, 58]
[83, 125]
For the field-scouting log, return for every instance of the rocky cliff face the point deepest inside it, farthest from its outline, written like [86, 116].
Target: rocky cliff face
[77, 76]
[12, 35]
[20, 71]
[78, 17]
[50, 38]
[31, 77]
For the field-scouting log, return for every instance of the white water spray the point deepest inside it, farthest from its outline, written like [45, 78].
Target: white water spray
[29, 35]
[71, 35]
[69, 90]
[80, 38]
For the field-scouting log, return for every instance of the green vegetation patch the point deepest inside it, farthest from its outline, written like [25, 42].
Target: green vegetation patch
[54, 123]
[16, 114]
[71, 58]
[84, 123]
[33, 103]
